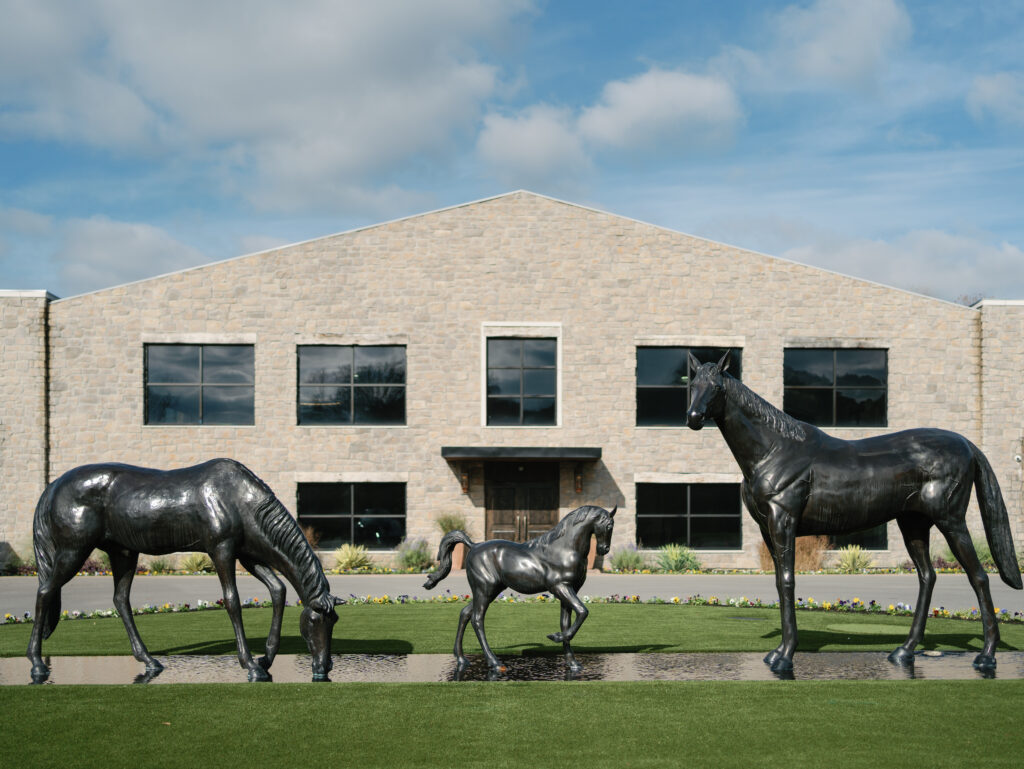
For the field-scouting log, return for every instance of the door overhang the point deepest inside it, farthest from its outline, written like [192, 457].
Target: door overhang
[465, 456]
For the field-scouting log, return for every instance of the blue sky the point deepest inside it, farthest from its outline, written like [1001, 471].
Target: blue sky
[878, 138]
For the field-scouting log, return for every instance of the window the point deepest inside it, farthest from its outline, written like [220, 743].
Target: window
[351, 385]
[663, 381]
[704, 516]
[521, 381]
[836, 388]
[199, 384]
[367, 514]
[876, 538]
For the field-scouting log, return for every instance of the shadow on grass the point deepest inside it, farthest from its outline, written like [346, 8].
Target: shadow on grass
[540, 649]
[816, 640]
[293, 644]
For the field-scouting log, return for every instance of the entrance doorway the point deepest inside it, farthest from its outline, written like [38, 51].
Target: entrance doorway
[521, 499]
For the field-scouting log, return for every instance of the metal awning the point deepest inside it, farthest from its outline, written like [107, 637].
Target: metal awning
[521, 453]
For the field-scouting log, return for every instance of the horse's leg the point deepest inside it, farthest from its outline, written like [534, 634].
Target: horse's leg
[915, 530]
[775, 653]
[460, 659]
[481, 601]
[960, 543]
[278, 592]
[570, 602]
[66, 564]
[782, 528]
[122, 564]
[223, 557]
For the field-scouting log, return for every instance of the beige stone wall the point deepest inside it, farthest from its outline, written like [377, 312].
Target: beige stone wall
[440, 283]
[22, 413]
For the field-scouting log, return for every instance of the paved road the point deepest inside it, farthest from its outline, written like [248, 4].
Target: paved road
[17, 594]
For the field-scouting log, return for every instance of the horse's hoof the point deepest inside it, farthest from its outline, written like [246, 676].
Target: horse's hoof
[152, 666]
[901, 656]
[770, 657]
[985, 662]
[321, 678]
[40, 673]
[782, 665]
[265, 662]
[557, 637]
[259, 674]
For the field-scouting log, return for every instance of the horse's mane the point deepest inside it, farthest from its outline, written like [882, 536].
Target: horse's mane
[571, 521]
[752, 403]
[284, 534]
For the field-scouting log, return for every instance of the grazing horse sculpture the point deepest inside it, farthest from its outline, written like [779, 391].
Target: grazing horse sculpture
[555, 562]
[219, 507]
[797, 480]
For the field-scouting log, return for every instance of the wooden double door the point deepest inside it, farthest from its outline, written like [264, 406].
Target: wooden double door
[521, 499]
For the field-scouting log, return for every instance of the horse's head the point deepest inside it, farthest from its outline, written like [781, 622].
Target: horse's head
[317, 626]
[603, 529]
[707, 393]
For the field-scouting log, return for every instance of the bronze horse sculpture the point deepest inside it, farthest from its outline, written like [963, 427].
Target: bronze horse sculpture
[219, 507]
[555, 562]
[798, 480]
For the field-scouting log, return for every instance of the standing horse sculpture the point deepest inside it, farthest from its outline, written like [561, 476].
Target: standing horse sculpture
[555, 562]
[219, 507]
[797, 480]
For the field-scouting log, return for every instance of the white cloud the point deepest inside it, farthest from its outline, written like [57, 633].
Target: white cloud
[533, 149]
[661, 106]
[1000, 95]
[98, 252]
[23, 222]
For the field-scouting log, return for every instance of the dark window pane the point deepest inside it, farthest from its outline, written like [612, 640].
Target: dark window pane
[802, 368]
[333, 531]
[860, 408]
[661, 498]
[660, 406]
[813, 406]
[324, 499]
[504, 352]
[504, 381]
[380, 365]
[167, 405]
[380, 405]
[715, 499]
[225, 405]
[325, 365]
[715, 354]
[876, 538]
[661, 366]
[503, 411]
[178, 363]
[861, 368]
[378, 533]
[538, 411]
[325, 405]
[539, 352]
[539, 381]
[228, 364]
[715, 532]
[657, 531]
[379, 498]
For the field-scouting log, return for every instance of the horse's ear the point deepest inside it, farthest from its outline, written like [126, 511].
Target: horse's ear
[723, 364]
[694, 363]
[611, 513]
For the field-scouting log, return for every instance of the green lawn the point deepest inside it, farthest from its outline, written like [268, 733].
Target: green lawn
[513, 629]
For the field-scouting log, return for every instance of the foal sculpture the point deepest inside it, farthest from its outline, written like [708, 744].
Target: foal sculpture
[219, 507]
[797, 480]
[555, 562]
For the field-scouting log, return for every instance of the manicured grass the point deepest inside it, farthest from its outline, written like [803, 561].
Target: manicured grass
[617, 725]
[513, 629]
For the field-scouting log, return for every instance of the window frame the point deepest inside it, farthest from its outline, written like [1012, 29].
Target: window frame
[352, 515]
[687, 516]
[835, 387]
[352, 386]
[522, 368]
[200, 384]
[735, 357]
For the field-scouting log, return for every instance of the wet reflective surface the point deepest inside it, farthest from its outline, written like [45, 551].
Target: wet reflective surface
[396, 668]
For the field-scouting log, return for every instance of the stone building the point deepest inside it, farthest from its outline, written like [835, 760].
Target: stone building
[506, 360]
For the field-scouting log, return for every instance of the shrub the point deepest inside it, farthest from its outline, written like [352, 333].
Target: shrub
[677, 558]
[627, 558]
[809, 556]
[414, 554]
[948, 561]
[160, 565]
[312, 535]
[351, 558]
[451, 522]
[197, 562]
[853, 559]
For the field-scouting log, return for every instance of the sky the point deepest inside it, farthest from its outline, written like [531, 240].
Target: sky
[877, 138]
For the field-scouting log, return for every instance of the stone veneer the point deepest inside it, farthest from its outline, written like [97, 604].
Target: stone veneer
[520, 263]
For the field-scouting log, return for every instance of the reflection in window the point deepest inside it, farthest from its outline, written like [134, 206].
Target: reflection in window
[199, 384]
[836, 387]
[351, 385]
[522, 380]
[704, 516]
[876, 538]
[367, 514]
[663, 381]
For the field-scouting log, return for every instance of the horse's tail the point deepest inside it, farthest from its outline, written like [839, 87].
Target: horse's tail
[444, 556]
[45, 550]
[996, 520]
